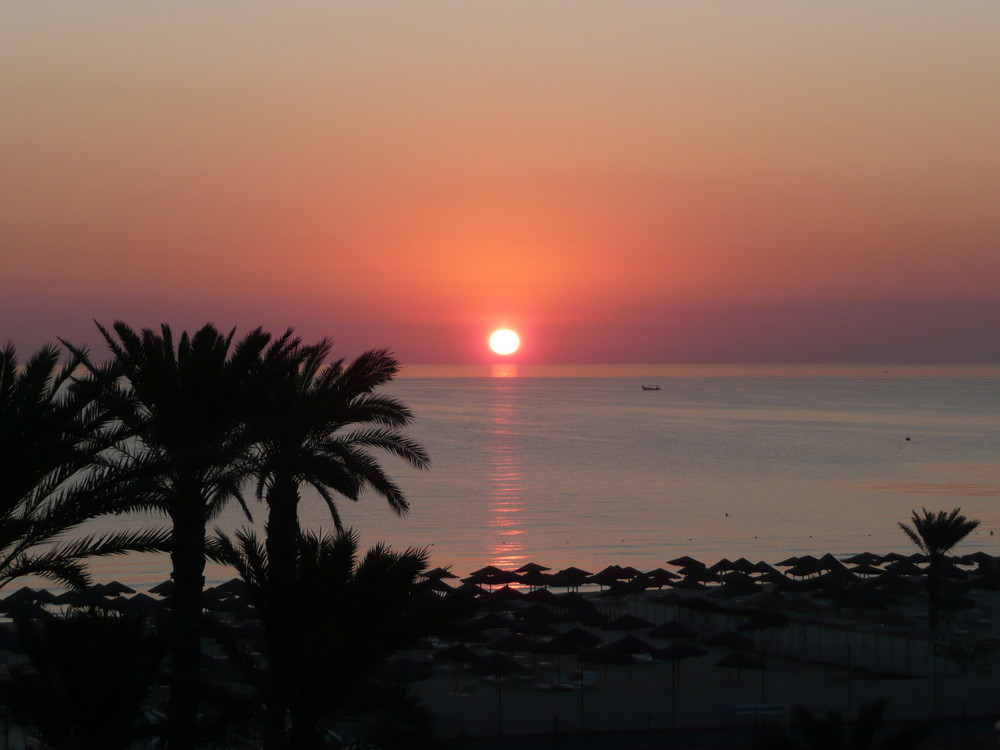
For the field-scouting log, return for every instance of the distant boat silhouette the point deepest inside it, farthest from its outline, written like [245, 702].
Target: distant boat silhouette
[651, 388]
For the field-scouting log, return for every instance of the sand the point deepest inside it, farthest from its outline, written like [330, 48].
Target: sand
[805, 664]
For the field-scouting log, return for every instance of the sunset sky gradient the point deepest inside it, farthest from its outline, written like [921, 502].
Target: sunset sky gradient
[650, 181]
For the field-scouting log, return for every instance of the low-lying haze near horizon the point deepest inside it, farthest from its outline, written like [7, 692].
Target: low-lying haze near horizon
[626, 182]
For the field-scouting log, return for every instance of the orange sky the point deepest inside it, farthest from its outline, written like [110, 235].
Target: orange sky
[619, 182]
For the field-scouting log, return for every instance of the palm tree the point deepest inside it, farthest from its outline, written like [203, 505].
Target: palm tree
[317, 425]
[52, 436]
[830, 733]
[348, 617]
[85, 682]
[935, 534]
[184, 406]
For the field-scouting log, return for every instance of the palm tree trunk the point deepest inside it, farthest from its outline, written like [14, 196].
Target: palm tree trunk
[184, 623]
[284, 616]
[933, 598]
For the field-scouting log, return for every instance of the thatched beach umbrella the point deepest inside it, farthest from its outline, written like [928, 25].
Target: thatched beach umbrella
[730, 639]
[498, 666]
[628, 587]
[44, 596]
[903, 567]
[536, 580]
[164, 588]
[789, 562]
[542, 596]
[490, 621]
[689, 584]
[437, 574]
[505, 597]
[468, 591]
[573, 600]
[114, 588]
[672, 629]
[511, 643]
[571, 578]
[606, 577]
[143, 604]
[977, 558]
[761, 621]
[85, 598]
[628, 621]
[532, 568]
[722, 566]
[234, 587]
[538, 612]
[675, 653]
[22, 595]
[492, 576]
[489, 570]
[621, 651]
[680, 650]
[660, 577]
[458, 654]
[865, 570]
[533, 627]
[739, 584]
[864, 558]
[580, 638]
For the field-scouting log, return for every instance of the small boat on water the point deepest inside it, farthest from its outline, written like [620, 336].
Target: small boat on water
[650, 387]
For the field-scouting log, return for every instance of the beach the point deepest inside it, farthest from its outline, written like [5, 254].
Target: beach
[790, 637]
[822, 658]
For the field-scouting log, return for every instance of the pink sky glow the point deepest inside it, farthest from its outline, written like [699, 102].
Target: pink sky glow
[640, 181]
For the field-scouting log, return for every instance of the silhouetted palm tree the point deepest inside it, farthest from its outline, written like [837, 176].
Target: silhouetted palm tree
[51, 437]
[347, 617]
[85, 682]
[185, 405]
[319, 425]
[830, 733]
[936, 534]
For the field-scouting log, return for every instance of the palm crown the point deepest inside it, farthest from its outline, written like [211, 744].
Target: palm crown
[52, 439]
[318, 424]
[937, 533]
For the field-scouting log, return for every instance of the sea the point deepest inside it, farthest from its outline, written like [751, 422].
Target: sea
[580, 465]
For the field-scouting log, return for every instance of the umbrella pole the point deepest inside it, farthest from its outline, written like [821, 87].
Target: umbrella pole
[499, 704]
[674, 679]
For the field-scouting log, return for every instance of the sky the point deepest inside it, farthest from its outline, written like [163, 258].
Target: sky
[626, 182]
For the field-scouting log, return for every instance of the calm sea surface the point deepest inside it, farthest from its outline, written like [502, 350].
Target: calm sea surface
[580, 466]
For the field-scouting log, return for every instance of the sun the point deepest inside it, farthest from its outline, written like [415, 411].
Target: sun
[504, 341]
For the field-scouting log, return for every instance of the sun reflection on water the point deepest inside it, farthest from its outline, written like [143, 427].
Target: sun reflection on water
[505, 370]
[506, 485]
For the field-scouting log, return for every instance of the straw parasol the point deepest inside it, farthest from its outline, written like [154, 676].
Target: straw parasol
[628, 621]
[672, 629]
[497, 665]
[436, 574]
[458, 654]
[676, 652]
[512, 642]
[730, 639]
[532, 568]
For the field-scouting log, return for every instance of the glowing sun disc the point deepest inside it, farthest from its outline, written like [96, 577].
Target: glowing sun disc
[504, 341]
